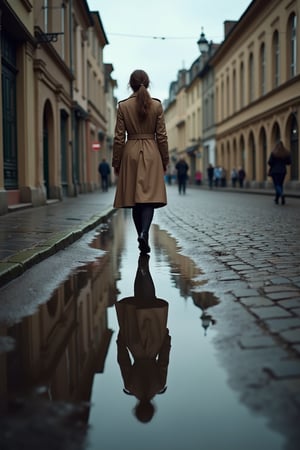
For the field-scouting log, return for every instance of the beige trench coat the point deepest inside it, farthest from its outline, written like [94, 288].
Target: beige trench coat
[140, 154]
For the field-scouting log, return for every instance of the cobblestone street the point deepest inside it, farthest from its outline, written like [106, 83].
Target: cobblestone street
[248, 250]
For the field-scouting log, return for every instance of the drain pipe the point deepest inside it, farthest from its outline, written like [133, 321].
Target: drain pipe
[72, 141]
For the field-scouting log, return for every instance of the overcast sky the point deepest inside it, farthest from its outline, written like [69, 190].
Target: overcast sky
[160, 36]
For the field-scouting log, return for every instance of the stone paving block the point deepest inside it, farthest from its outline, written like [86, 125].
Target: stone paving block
[277, 325]
[270, 311]
[283, 295]
[228, 276]
[248, 292]
[241, 267]
[296, 311]
[256, 301]
[297, 348]
[273, 288]
[292, 336]
[257, 341]
[284, 369]
[9, 271]
[26, 257]
[290, 303]
[279, 280]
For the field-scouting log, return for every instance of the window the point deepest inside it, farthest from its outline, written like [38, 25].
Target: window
[242, 85]
[276, 59]
[293, 44]
[262, 69]
[234, 91]
[45, 7]
[251, 78]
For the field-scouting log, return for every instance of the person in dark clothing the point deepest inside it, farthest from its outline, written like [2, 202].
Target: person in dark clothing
[241, 176]
[280, 158]
[182, 170]
[210, 175]
[104, 171]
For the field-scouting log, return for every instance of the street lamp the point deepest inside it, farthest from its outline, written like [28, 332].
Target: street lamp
[203, 43]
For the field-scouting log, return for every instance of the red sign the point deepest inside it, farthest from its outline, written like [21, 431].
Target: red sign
[96, 146]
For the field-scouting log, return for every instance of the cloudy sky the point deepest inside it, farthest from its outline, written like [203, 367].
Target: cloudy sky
[160, 36]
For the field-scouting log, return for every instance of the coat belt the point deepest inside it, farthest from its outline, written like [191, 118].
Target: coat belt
[141, 136]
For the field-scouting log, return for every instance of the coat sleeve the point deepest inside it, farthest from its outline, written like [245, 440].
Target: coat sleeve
[161, 137]
[119, 139]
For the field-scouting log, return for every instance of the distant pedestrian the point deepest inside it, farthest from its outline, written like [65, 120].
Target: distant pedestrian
[210, 175]
[234, 177]
[280, 158]
[198, 178]
[223, 177]
[241, 176]
[104, 171]
[217, 175]
[182, 169]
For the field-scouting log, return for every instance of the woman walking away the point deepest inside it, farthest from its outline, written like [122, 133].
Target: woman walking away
[280, 158]
[140, 156]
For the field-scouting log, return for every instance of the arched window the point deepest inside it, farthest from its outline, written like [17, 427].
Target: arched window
[276, 59]
[262, 69]
[294, 147]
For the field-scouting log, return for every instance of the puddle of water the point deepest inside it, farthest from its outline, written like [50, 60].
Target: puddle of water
[169, 390]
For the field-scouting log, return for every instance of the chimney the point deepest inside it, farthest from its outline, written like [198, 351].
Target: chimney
[228, 25]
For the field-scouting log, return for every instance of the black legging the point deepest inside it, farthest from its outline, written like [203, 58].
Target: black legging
[278, 179]
[142, 214]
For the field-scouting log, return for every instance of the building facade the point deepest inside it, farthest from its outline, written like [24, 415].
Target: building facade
[250, 86]
[257, 88]
[53, 104]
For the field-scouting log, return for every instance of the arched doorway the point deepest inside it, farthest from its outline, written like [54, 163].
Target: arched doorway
[276, 135]
[252, 157]
[294, 147]
[47, 146]
[263, 152]
[9, 114]
[242, 153]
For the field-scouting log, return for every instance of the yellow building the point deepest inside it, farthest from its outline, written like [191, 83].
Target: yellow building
[250, 95]
[53, 111]
[183, 119]
[257, 89]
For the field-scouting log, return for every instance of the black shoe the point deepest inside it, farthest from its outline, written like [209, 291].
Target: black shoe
[283, 200]
[143, 243]
[276, 200]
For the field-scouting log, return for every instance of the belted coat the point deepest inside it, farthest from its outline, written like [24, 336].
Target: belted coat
[140, 155]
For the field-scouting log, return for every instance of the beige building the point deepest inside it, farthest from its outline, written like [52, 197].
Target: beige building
[257, 89]
[184, 120]
[250, 94]
[53, 112]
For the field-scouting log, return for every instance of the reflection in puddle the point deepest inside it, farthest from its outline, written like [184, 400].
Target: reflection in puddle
[93, 344]
[143, 342]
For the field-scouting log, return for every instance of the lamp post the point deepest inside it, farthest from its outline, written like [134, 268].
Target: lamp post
[203, 43]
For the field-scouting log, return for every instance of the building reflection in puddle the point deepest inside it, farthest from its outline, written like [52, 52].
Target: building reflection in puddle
[143, 343]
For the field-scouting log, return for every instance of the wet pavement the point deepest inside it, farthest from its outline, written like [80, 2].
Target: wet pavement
[232, 369]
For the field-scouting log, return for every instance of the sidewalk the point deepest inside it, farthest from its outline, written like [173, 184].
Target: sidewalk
[30, 235]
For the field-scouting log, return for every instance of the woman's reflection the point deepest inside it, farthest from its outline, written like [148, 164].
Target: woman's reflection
[143, 342]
